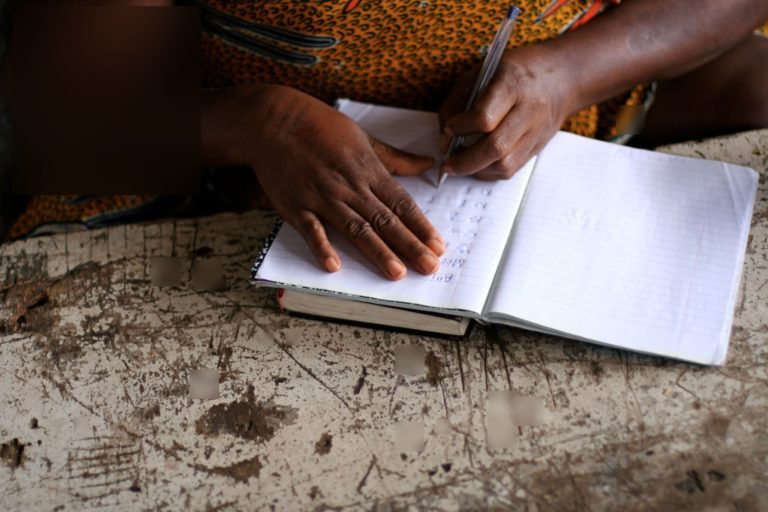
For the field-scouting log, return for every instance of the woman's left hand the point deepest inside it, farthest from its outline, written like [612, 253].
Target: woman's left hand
[524, 105]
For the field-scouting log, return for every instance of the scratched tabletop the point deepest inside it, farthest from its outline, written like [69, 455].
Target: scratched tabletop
[96, 408]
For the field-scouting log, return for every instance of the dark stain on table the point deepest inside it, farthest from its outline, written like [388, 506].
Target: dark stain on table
[247, 418]
[434, 368]
[240, 471]
[596, 371]
[12, 453]
[323, 446]
[33, 309]
[360, 381]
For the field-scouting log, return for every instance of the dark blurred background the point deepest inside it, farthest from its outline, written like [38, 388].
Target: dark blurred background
[10, 205]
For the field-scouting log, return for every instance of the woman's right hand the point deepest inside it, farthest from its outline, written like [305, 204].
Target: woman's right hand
[318, 167]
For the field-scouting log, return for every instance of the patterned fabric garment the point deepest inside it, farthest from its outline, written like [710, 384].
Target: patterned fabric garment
[405, 53]
[48, 214]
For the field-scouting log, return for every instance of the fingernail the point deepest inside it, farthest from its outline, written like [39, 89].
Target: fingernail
[395, 269]
[332, 264]
[437, 246]
[447, 169]
[427, 263]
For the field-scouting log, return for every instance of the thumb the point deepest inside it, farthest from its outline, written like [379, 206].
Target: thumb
[401, 163]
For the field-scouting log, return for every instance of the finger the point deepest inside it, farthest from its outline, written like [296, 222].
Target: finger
[501, 170]
[362, 235]
[391, 230]
[489, 177]
[313, 232]
[488, 149]
[405, 208]
[401, 162]
[508, 166]
[488, 111]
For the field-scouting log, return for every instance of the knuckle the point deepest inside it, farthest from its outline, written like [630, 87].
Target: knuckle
[486, 121]
[358, 190]
[383, 219]
[352, 191]
[381, 255]
[336, 177]
[511, 75]
[357, 229]
[311, 228]
[508, 168]
[415, 249]
[404, 207]
[498, 146]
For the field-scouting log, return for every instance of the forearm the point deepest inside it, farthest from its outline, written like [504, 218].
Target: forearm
[227, 117]
[645, 40]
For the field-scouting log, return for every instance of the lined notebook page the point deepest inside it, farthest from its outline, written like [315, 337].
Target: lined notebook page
[630, 248]
[474, 218]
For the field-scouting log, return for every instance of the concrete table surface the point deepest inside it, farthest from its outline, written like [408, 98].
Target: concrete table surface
[95, 406]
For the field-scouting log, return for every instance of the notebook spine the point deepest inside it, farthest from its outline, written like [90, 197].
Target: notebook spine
[263, 253]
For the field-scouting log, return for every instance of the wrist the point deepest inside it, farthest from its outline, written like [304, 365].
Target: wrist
[230, 121]
[547, 70]
[564, 76]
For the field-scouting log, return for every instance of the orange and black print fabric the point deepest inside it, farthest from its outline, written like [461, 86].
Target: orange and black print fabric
[406, 53]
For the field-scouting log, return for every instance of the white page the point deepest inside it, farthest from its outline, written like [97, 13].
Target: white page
[630, 248]
[474, 217]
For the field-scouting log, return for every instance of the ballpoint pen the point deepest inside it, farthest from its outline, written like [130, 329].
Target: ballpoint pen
[490, 64]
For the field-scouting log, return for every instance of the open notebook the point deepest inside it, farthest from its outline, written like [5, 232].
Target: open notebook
[590, 240]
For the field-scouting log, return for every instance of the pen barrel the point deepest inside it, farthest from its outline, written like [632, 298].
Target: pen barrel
[492, 60]
[488, 69]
